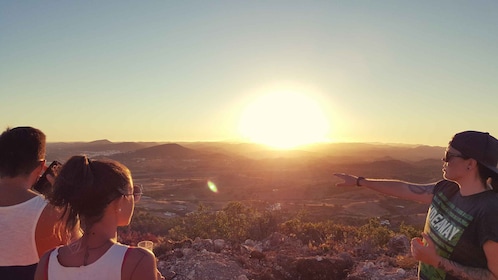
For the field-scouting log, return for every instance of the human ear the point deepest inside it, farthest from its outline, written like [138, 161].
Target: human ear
[472, 164]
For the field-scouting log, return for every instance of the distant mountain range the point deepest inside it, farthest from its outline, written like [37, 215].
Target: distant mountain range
[175, 151]
[354, 152]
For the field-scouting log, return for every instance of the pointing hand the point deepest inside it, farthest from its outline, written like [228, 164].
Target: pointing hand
[348, 180]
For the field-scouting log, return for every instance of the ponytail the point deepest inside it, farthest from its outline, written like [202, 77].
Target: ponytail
[84, 188]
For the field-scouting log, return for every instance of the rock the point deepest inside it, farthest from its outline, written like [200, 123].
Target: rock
[257, 255]
[168, 275]
[398, 245]
[274, 240]
[218, 244]
[251, 246]
[323, 268]
[250, 243]
[203, 244]
[281, 257]
[207, 266]
[178, 253]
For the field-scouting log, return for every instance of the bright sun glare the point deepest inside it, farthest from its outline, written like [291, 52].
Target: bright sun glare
[284, 120]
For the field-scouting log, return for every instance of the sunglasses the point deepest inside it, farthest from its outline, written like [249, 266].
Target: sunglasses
[137, 193]
[448, 156]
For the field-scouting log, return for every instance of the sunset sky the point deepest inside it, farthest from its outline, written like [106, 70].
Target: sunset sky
[412, 72]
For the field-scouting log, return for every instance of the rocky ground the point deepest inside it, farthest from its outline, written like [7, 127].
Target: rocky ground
[282, 257]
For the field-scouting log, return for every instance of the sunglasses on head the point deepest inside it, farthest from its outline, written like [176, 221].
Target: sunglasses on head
[448, 156]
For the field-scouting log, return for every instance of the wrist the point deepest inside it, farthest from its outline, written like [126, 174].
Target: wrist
[439, 262]
[358, 181]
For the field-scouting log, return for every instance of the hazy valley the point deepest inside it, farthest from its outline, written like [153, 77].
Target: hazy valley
[175, 176]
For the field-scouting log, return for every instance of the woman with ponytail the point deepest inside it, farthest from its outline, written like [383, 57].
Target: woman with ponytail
[98, 196]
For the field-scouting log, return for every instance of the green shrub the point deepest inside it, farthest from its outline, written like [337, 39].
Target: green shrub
[237, 222]
[263, 224]
[409, 231]
[146, 222]
[196, 224]
[233, 222]
[375, 233]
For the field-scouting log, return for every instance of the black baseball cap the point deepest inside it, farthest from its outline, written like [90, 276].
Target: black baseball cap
[480, 146]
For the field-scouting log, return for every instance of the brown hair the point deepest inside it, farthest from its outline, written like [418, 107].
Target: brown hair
[85, 187]
[21, 149]
[485, 174]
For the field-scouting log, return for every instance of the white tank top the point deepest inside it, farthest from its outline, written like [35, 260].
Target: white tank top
[107, 267]
[17, 230]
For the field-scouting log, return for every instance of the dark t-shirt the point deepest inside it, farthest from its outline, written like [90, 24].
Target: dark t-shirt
[459, 226]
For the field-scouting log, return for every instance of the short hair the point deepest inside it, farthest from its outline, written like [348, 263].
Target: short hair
[21, 150]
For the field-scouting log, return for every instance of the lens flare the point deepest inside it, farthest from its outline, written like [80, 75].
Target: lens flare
[212, 187]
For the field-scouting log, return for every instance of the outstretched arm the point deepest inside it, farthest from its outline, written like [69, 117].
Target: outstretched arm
[405, 190]
[427, 254]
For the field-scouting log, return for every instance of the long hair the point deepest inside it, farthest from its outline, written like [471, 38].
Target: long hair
[84, 188]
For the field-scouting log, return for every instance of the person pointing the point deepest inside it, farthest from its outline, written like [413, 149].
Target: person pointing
[460, 238]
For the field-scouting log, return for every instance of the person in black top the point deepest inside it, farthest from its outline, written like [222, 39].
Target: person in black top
[460, 238]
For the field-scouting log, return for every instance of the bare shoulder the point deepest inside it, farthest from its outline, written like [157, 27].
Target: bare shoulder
[42, 266]
[51, 213]
[139, 264]
[45, 235]
[137, 253]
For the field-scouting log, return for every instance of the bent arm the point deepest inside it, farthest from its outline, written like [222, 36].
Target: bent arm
[401, 189]
[428, 255]
[464, 272]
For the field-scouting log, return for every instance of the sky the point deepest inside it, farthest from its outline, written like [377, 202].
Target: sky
[413, 72]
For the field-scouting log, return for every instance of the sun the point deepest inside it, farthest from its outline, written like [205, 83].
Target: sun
[284, 120]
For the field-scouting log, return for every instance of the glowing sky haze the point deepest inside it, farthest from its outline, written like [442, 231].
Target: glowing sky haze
[381, 71]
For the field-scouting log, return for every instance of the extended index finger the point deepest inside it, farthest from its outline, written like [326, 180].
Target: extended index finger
[341, 176]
